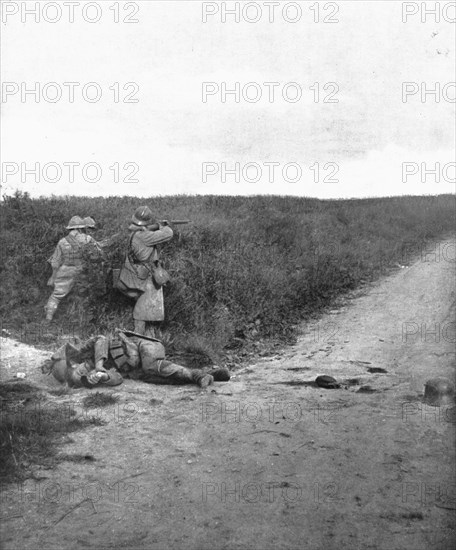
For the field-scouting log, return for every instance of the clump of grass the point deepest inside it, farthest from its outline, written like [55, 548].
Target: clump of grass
[30, 435]
[10, 390]
[99, 399]
[194, 352]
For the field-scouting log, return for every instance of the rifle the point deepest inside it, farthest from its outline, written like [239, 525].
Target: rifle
[155, 226]
[109, 240]
[105, 243]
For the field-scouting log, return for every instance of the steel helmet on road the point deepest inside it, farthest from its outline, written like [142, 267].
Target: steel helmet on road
[142, 216]
[76, 222]
[439, 391]
[89, 222]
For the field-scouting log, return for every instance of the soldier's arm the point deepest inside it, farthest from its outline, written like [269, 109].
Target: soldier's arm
[94, 247]
[56, 259]
[152, 238]
[101, 353]
[108, 241]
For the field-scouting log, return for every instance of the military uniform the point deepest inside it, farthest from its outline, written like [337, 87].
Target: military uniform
[125, 354]
[67, 263]
[136, 278]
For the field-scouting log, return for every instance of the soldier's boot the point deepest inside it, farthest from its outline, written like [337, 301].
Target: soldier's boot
[203, 380]
[220, 374]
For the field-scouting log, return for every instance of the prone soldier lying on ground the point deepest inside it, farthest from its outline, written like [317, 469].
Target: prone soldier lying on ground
[106, 360]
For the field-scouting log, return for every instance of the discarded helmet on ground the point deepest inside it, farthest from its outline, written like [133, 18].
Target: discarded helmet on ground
[328, 382]
[142, 216]
[89, 222]
[438, 391]
[76, 222]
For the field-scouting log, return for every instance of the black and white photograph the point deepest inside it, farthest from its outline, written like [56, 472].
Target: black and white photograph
[227, 275]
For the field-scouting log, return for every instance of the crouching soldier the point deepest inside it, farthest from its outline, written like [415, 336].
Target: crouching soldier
[68, 263]
[106, 360]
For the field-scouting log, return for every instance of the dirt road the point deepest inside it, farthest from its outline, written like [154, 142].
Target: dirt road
[266, 462]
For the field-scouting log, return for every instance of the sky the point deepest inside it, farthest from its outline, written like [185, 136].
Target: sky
[347, 116]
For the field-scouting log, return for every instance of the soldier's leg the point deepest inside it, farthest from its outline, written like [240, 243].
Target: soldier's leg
[140, 326]
[60, 291]
[165, 372]
[183, 375]
[160, 371]
[101, 352]
[63, 285]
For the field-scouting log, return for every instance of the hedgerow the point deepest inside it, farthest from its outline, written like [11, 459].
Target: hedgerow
[245, 268]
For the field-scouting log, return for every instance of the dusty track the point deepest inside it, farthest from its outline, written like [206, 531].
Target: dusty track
[259, 464]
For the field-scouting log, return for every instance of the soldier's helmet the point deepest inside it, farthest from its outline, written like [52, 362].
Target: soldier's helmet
[439, 391]
[76, 222]
[142, 216]
[89, 222]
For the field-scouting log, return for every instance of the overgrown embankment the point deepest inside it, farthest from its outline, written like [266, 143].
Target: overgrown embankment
[246, 267]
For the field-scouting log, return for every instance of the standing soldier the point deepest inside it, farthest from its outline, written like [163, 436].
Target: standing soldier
[67, 263]
[142, 276]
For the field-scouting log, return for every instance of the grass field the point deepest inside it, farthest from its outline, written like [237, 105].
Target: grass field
[246, 268]
[31, 425]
